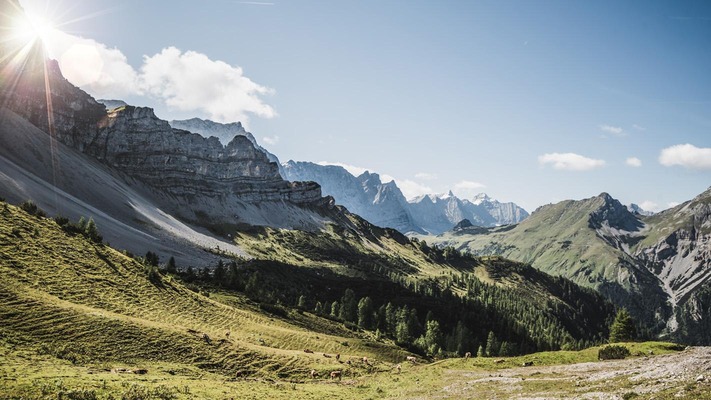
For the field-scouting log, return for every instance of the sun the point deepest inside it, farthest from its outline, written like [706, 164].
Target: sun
[29, 28]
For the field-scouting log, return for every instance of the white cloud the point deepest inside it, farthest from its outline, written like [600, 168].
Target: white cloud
[468, 185]
[639, 128]
[672, 204]
[385, 178]
[570, 161]
[352, 169]
[103, 72]
[615, 130]
[648, 205]
[185, 81]
[426, 176]
[467, 189]
[271, 140]
[686, 155]
[412, 189]
[191, 81]
[633, 162]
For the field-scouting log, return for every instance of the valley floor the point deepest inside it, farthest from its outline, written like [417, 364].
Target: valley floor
[27, 375]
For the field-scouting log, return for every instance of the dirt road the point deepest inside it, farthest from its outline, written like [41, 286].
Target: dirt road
[686, 374]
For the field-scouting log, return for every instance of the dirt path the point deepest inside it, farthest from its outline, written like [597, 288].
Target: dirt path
[686, 374]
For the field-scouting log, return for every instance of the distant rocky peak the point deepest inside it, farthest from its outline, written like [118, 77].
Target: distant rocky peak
[636, 209]
[370, 179]
[609, 211]
[207, 128]
[481, 198]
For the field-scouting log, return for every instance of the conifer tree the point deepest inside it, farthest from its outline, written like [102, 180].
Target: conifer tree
[622, 329]
[365, 313]
[492, 345]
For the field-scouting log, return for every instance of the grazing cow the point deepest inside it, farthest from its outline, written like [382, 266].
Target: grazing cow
[365, 360]
[206, 338]
[528, 364]
[326, 355]
[398, 368]
[308, 351]
[314, 374]
[499, 361]
[348, 362]
[467, 354]
[412, 359]
[227, 334]
[336, 374]
[338, 357]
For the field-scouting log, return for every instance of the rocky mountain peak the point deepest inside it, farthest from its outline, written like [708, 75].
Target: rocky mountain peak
[609, 211]
[481, 198]
[636, 209]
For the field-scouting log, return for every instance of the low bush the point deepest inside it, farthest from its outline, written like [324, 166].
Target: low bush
[613, 352]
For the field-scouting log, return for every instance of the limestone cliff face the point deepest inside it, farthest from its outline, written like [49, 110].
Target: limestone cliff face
[135, 141]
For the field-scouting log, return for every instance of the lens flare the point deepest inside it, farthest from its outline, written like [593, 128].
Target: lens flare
[29, 27]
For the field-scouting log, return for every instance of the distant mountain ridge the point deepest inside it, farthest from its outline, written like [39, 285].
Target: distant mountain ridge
[380, 204]
[384, 204]
[655, 265]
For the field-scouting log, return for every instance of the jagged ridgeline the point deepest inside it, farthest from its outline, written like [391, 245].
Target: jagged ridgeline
[657, 266]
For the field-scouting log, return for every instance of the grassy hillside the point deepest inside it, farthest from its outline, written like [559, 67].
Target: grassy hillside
[562, 239]
[66, 296]
[77, 316]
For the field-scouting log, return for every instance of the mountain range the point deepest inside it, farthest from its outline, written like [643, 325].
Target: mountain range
[201, 192]
[383, 204]
[653, 264]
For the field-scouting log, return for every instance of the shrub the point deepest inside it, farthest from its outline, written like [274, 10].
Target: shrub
[613, 352]
[61, 221]
[31, 208]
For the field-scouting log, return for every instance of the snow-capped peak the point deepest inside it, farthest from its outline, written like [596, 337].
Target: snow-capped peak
[480, 198]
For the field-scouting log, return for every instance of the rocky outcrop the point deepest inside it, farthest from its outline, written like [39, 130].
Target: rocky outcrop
[188, 165]
[677, 247]
[612, 214]
[224, 132]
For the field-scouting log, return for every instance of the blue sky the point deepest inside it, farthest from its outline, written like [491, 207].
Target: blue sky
[531, 102]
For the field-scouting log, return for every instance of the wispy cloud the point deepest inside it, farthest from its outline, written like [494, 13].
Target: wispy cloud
[686, 155]
[191, 81]
[467, 189]
[639, 128]
[352, 169]
[615, 130]
[271, 140]
[570, 161]
[649, 205]
[410, 188]
[633, 162]
[673, 204]
[426, 176]
[469, 185]
[185, 81]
